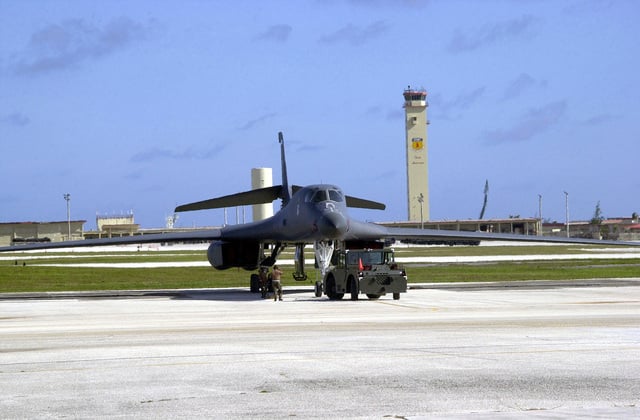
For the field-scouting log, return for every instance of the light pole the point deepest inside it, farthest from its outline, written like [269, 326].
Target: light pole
[421, 201]
[67, 197]
[540, 213]
[566, 209]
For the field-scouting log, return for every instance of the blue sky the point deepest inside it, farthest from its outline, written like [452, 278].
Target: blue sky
[145, 105]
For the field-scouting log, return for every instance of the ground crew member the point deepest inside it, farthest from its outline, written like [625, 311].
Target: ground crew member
[264, 281]
[276, 275]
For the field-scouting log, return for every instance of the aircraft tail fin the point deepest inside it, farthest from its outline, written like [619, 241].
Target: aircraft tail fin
[286, 190]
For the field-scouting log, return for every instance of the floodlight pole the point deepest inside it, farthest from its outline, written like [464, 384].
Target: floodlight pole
[566, 209]
[540, 213]
[421, 201]
[67, 197]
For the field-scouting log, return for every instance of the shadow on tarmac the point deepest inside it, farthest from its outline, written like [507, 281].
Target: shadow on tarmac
[232, 295]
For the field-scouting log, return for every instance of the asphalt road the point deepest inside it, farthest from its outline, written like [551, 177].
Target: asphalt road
[484, 352]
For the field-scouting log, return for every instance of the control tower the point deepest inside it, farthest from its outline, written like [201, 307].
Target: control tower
[415, 109]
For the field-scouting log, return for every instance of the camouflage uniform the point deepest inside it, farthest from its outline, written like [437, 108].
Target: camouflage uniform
[276, 275]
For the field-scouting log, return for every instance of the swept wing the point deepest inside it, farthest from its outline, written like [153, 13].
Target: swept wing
[306, 220]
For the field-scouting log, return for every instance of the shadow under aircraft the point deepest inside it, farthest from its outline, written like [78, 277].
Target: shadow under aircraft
[313, 214]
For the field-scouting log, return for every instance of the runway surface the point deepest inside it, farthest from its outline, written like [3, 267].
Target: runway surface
[545, 352]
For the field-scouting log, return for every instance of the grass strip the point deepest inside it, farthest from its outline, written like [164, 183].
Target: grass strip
[187, 256]
[518, 271]
[58, 279]
[49, 279]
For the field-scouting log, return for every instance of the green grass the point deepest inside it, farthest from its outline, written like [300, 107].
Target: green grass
[55, 279]
[288, 253]
[531, 270]
[32, 278]
[94, 257]
[446, 251]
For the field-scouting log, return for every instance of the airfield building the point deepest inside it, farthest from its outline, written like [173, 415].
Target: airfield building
[17, 233]
[116, 225]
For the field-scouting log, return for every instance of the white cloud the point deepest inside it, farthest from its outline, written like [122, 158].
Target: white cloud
[534, 122]
[488, 34]
[277, 33]
[355, 35]
[71, 42]
[15, 119]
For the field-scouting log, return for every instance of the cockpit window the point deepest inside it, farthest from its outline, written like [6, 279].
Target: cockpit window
[336, 196]
[319, 196]
[324, 195]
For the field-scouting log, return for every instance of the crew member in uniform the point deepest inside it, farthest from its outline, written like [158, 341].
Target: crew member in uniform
[276, 276]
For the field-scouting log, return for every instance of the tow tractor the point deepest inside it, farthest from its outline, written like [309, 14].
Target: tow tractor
[372, 272]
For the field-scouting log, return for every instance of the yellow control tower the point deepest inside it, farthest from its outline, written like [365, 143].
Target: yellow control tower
[415, 109]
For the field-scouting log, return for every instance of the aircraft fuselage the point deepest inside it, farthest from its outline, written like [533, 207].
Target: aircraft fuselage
[314, 213]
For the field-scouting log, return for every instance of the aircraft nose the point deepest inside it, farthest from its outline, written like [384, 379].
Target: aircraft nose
[332, 225]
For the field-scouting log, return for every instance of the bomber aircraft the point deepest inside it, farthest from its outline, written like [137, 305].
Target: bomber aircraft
[313, 214]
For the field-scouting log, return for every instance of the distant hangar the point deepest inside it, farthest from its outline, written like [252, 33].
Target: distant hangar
[29, 232]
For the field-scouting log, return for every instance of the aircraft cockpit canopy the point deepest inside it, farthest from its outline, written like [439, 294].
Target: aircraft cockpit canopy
[321, 195]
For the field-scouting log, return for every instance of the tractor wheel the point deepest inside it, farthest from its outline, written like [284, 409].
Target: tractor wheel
[353, 285]
[331, 288]
[254, 283]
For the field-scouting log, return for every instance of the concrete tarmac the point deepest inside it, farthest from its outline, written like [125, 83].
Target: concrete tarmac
[545, 352]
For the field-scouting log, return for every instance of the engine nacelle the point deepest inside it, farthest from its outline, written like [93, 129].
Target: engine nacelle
[245, 254]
